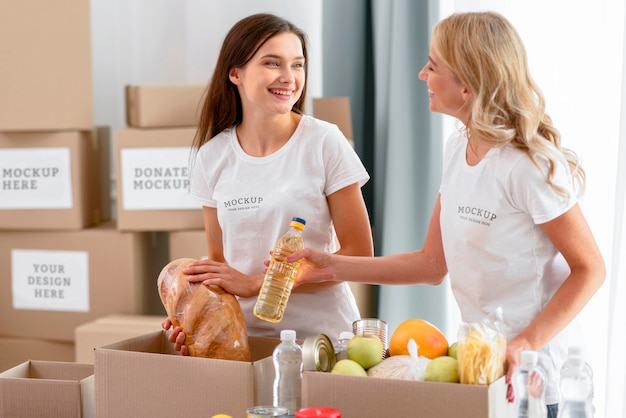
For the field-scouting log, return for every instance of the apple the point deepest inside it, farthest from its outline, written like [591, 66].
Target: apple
[442, 369]
[348, 367]
[453, 350]
[365, 349]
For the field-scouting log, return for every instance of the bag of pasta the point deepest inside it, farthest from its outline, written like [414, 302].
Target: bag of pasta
[482, 350]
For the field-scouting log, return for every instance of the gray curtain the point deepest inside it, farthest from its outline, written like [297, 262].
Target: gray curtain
[372, 52]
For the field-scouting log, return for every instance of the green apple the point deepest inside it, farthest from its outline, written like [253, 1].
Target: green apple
[365, 349]
[442, 369]
[453, 349]
[348, 367]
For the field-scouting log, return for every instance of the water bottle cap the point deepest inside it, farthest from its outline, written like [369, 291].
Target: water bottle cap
[287, 335]
[574, 351]
[346, 335]
[530, 357]
[298, 223]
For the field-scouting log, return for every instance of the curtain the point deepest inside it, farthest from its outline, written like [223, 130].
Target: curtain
[408, 152]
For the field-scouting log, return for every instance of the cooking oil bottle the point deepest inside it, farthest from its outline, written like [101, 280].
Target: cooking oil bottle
[280, 275]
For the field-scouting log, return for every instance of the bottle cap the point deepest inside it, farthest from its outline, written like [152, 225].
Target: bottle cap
[346, 335]
[530, 357]
[287, 335]
[574, 351]
[298, 223]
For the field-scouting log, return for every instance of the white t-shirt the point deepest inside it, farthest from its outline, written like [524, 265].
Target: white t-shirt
[256, 198]
[496, 253]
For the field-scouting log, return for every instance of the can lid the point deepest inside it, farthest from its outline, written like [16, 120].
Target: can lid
[318, 354]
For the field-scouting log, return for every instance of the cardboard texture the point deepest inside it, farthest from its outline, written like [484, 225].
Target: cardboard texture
[163, 106]
[357, 397]
[46, 72]
[335, 110]
[111, 329]
[144, 374]
[26, 204]
[188, 244]
[52, 282]
[47, 390]
[155, 188]
[14, 351]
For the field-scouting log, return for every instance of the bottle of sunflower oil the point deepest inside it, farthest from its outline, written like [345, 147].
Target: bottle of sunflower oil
[278, 282]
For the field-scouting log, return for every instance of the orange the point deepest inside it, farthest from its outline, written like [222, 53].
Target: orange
[431, 342]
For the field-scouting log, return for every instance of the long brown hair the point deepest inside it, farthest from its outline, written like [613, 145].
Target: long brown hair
[222, 104]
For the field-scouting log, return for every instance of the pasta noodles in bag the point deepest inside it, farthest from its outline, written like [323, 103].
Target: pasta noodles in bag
[482, 350]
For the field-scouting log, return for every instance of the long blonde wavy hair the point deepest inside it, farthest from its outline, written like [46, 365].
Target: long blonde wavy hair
[488, 57]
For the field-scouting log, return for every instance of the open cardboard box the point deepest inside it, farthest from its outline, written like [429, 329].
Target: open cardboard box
[47, 389]
[357, 396]
[110, 329]
[147, 376]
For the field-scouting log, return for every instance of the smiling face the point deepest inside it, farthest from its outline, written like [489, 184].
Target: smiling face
[272, 81]
[445, 92]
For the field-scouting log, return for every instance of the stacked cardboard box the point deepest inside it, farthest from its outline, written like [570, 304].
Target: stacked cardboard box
[63, 261]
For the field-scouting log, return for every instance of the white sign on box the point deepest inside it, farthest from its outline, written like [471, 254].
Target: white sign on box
[50, 280]
[155, 178]
[35, 178]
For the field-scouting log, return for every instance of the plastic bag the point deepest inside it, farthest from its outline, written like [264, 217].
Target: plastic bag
[482, 350]
[411, 367]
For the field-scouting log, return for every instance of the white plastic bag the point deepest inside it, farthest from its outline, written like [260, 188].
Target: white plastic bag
[411, 367]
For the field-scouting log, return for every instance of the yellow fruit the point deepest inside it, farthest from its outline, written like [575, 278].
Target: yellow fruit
[431, 342]
[221, 416]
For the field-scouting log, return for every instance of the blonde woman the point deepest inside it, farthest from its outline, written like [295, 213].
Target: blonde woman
[506, 225]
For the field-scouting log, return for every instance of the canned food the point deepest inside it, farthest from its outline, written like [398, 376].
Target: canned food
[266, 411]
[318, 354]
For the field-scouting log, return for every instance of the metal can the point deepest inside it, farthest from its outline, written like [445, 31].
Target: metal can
[266, 412]
[318, 354]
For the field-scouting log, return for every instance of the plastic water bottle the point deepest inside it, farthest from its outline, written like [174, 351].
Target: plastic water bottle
[341, 350]
[576, 387]
[278, 282]
[574, 357]
[529, 383]
[287, 359]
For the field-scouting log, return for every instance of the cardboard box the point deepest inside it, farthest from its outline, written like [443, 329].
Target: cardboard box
[16, 351]
[111, 329]
[144, 374]
[164, 106]
[52, 282]
[152, 168]
[47, 389]
[46, 72]
[357, 396]
[54, 180]
[188, 244]
[335, 110]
